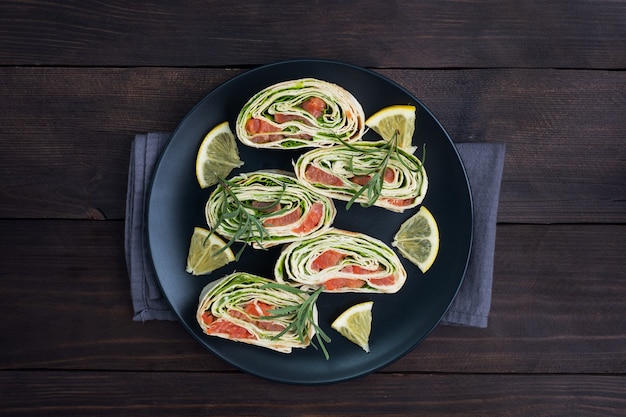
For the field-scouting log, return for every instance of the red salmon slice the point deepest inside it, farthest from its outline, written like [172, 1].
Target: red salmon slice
[282, 118]
[389, 175]
[364, 179]
[314, 174]
[327, 259]
[339, 283]
[386, 281]
[361, 179]
[268, 325]
[312, 219]
[289, 218]
[207, 318]
[263, 129]
[254, 126]
[315, 106]
[258, 309]
[266, 207]
[261, 309]
[399, 202]
[221, 326]
[356, 269]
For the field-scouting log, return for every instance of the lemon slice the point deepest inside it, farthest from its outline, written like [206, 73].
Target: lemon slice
[355, 324]
[217, 156]
[418, 239]
[202, 258]
[386, 121]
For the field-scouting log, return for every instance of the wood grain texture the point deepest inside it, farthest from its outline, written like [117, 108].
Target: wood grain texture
[201, 394]
[564, 133]
[401, 34]
[78, 79]
[65, 303]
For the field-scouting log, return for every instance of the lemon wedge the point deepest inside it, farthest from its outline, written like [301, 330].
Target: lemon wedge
[355, 324]
[217, 155]
[418, 239]
[203, 257]
[398, 118]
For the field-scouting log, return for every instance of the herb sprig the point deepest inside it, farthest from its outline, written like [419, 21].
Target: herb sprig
[251, 229]
[303, 316]
[374, 186]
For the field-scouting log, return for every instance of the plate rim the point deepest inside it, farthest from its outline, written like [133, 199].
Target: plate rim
[226, 84]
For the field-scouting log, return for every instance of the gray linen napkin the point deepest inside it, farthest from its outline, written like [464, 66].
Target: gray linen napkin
[483, 163]
[148, 302]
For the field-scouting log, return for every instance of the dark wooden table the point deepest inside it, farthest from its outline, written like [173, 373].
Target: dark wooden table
[78, 79]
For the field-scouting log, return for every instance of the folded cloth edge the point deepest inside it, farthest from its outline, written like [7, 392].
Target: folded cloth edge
[148, 302]
[483, 164]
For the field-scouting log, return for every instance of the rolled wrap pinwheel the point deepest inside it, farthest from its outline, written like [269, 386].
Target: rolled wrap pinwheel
[239, 307]
[341, 261]
[266, 208]
[300, 113]
[340, 172]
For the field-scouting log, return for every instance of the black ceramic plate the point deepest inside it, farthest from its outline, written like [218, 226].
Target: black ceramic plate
[400, 321]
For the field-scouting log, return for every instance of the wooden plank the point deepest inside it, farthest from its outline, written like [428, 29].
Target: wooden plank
[558, 294]
[417, 34]
[218, 394]
[60, 272]
[67, 132]
[561, 139]
[547, 316]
